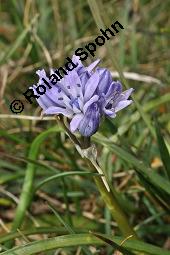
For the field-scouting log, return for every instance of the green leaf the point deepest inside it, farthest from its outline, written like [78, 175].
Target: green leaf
[155, 191]
[163, 150]
[82, 239]
[9, 177]
[27, 190]
[139, 166]
[12, 137]
[113, 244]
[108, 127]
[64, 223]
[67, 227]
[18, 41]
[56, 176]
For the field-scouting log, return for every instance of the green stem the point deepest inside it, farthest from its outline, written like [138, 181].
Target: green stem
[115, 209]
[113, 205]
[108, 196]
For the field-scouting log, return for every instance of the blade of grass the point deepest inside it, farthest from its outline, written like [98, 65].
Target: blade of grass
[135, 117]
[18, 41]
[67, 226]
[138, 164]
[71, 19]
[122, 44]
[81, 239]
[64, 223]
[56, 176]
[12, 137]
[9, 177]
[10, 166]
[159, 195]
[113, 244]
[164, 153]
[27, 189]
[32, 231]
[133, 49]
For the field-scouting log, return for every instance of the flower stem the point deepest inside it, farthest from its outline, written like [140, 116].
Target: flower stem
[114, 206]
[116, 211]
[90, 156]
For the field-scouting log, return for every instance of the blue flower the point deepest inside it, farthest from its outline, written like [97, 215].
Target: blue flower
[84, 95]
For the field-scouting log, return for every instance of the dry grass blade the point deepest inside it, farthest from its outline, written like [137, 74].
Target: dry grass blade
[138, 77]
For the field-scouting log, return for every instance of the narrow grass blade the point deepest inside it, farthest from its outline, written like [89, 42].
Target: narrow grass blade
[164, 153]
[27, 190]
[18, 41]
[56, 176]
[113, 244]
[157, 179]
[67, 226]
[12, 137]
[4, 178]
[32, 231]
[75, 240]
[71, 17]
[161, 196]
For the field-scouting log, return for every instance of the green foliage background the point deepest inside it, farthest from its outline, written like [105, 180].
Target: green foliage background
[133, 148]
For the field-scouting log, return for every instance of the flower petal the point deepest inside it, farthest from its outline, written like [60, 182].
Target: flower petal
[91, 101]
[74, 124]
[122, 104]
[59, 110]
[114, 90]
[110, 113]
[126, 94]
[58, 96]
[73, 84]
[44, 101]
[105, 80]
[91, 86]
[84, 78]
[76, 60]
[84, 95]
[92, 66]
[91, 120]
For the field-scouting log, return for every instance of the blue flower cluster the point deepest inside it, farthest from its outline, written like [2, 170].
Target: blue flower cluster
[84, 96]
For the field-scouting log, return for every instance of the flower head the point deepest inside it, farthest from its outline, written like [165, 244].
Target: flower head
[84, 95]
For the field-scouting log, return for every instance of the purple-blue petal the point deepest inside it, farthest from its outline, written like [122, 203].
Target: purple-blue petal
[105, 80]
[122, 104]
[91, 101]
[75, 122]
[115, 89]
[91, 86]
[90, 123]
[58, 110]
[44, 101]
[90, 68]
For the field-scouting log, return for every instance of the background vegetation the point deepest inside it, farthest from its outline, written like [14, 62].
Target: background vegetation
[133, 148]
